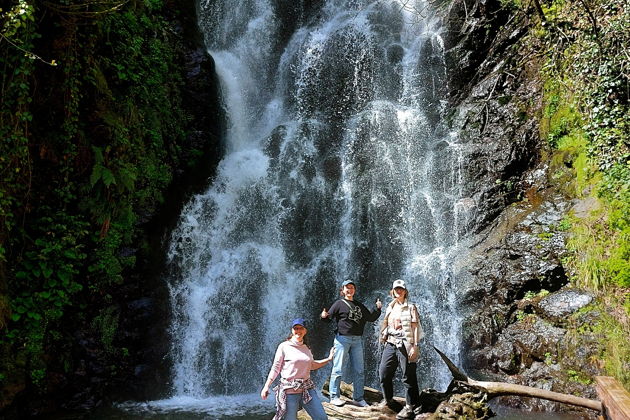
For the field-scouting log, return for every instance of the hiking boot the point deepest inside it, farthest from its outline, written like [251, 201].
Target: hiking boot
[361, 403]
[337, 401]
[406, 413]
[391, 404]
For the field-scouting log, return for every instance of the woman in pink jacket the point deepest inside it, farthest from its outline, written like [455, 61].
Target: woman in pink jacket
[294, 362]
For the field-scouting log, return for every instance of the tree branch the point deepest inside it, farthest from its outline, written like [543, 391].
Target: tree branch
[496, 389]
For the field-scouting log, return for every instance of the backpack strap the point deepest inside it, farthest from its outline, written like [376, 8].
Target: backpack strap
[420, 329]
[348, 303]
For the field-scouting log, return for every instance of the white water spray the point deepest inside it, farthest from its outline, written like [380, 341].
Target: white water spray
[336, 167]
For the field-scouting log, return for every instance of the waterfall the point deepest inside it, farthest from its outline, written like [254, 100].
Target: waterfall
[337, 166]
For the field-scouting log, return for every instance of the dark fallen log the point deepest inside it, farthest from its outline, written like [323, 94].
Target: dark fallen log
[459, 399]
[496, 389]
[464, 398]
[457, 402]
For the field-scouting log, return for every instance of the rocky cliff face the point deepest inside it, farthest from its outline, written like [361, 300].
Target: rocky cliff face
[519, 304]
[144, 300]
[521, 310]
[496, 98]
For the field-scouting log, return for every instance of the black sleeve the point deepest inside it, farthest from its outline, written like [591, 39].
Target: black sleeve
[371, 316]
[333, 312]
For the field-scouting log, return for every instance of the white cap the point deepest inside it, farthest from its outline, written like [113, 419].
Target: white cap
[399, 283]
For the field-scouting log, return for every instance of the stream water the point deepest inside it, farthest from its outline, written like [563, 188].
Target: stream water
[243, 407]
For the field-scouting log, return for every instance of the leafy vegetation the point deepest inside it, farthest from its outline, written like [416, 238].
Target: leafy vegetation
[92, 130]
[614, 329]
[586, 120]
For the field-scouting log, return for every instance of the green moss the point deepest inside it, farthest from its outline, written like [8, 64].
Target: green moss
[614, 329]
[586, 120]
[582, 168]
[585, 174]
[560, 116]
[106, 326]
[511, 4]
[579, 377]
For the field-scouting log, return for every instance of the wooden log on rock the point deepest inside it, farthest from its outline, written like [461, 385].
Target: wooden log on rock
[430, 400]
[351, 411]
[464, 397]
[496, 389]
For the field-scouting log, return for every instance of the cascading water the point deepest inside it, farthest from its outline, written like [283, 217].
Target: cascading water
[336, 167]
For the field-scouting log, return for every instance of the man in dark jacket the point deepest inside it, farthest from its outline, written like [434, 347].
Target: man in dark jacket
[351, 317]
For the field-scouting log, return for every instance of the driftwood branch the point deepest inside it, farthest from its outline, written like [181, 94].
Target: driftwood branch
[496, 389]
[463, 394]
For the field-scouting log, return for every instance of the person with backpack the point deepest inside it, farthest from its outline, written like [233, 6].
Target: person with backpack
[294, 361]
[400, 332]
[351, 317]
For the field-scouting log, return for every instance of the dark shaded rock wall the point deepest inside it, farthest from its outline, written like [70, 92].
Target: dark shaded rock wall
[517, 295]
[524, 313]
[144, 310]
[138, 310]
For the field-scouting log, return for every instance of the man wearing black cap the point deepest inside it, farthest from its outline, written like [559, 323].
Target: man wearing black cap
[351, 317]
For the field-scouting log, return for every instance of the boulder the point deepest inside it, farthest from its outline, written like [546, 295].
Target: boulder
[558, 305]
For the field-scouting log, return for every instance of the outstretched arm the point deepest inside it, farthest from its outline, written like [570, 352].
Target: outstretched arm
[374, 315]
[328, 315]
[316, 364]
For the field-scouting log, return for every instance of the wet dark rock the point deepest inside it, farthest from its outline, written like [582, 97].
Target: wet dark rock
[518, 346]
[142, 304]
[510, 333]
[142, 309]
[494, 102]
[549, 376]
[530, 339]
[431, 89]
[127, 252]
[521, 315]
[519, 330]
[527, 259]
[471, 29]
[483, 327]
[144, 374]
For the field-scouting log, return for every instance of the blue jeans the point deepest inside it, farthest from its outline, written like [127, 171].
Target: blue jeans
[348, 350]
[314, 408]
